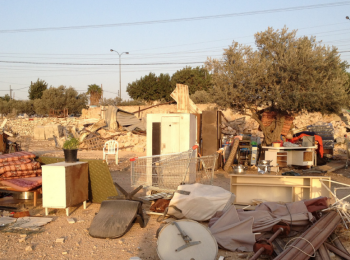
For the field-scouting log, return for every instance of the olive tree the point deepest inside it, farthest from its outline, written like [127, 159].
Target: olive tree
[285, 74]
[60, 98]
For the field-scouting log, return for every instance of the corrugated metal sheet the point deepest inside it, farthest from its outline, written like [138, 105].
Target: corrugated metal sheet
[126, 119]
[115, 116]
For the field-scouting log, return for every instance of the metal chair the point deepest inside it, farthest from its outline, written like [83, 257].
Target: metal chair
[109, 148]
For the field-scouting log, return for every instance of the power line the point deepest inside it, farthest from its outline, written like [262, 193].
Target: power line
[188, 19]
[92, 64]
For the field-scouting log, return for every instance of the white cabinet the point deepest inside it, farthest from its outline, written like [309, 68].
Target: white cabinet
[283, 156]
[64, 185]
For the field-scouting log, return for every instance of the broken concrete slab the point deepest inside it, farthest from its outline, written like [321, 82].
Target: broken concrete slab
[39, 133]
[6, 220]
[54, 130]
[30, 222]
[71, 220]
[60, 240]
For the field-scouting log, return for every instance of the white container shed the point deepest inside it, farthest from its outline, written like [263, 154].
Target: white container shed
[170, 133]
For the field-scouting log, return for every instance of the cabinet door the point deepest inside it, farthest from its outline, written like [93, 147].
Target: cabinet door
[170, 134]
[54, 187]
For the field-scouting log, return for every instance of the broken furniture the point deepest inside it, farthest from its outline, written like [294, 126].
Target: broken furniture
[116, 216]
[100, 180]
[109, 148]
[170, 133]
[184, 240]
[284, 156]
[276, 188]
[65, 185]
[244, 152]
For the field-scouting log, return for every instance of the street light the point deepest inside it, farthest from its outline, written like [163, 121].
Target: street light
[120, 72]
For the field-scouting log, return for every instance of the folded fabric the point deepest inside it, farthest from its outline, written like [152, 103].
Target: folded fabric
[316, 204]
[232, 233]
[19, 167]
[294, 213]
[20, 174]
[20, 161]
[23, 184]
[26, 176]
[16, 156]
[199, 202]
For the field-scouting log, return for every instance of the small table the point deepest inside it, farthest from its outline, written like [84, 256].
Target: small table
[65, 185]
[283, 156]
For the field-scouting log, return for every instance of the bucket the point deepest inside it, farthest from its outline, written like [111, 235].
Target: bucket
[70, 156]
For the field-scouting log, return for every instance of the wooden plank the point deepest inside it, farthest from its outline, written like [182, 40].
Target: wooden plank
[232, 155]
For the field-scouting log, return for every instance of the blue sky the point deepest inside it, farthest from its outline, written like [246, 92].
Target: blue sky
[185, 42]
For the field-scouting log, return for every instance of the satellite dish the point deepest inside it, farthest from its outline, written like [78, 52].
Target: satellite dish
[185, 240]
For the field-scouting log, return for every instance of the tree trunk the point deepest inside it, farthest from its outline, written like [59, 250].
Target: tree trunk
[272, 132]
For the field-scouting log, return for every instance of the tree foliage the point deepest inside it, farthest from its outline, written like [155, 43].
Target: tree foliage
[285, 74]
[151, 87]
[201, 97]
[21, 106]
[95, 92]
[195, 78]
[36, 89]
[60, 98]
[6, 98]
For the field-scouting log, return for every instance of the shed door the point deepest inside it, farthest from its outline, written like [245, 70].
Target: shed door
[170, 134]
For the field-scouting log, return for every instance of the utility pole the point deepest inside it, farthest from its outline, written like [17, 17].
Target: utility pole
[10, 93]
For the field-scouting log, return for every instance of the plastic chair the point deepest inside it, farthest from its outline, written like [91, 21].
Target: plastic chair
[110, 149]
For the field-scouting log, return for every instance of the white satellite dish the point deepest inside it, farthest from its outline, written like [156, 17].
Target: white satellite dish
[186, 240]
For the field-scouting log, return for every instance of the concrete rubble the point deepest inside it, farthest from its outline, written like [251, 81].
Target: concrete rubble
[49, 127]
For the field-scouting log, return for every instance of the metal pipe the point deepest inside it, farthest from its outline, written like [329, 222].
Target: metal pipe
[337, 251]
[262, 249]
[336, 242]
[322, 253]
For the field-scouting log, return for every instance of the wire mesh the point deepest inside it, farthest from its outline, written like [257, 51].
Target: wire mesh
[167, 172]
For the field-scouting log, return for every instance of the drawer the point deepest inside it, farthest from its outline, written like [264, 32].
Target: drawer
[282, 153]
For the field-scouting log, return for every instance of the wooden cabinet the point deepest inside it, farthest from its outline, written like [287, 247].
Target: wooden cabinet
[64, 185]
[276, 188]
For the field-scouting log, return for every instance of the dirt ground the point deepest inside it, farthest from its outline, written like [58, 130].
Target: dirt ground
[78, 244]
